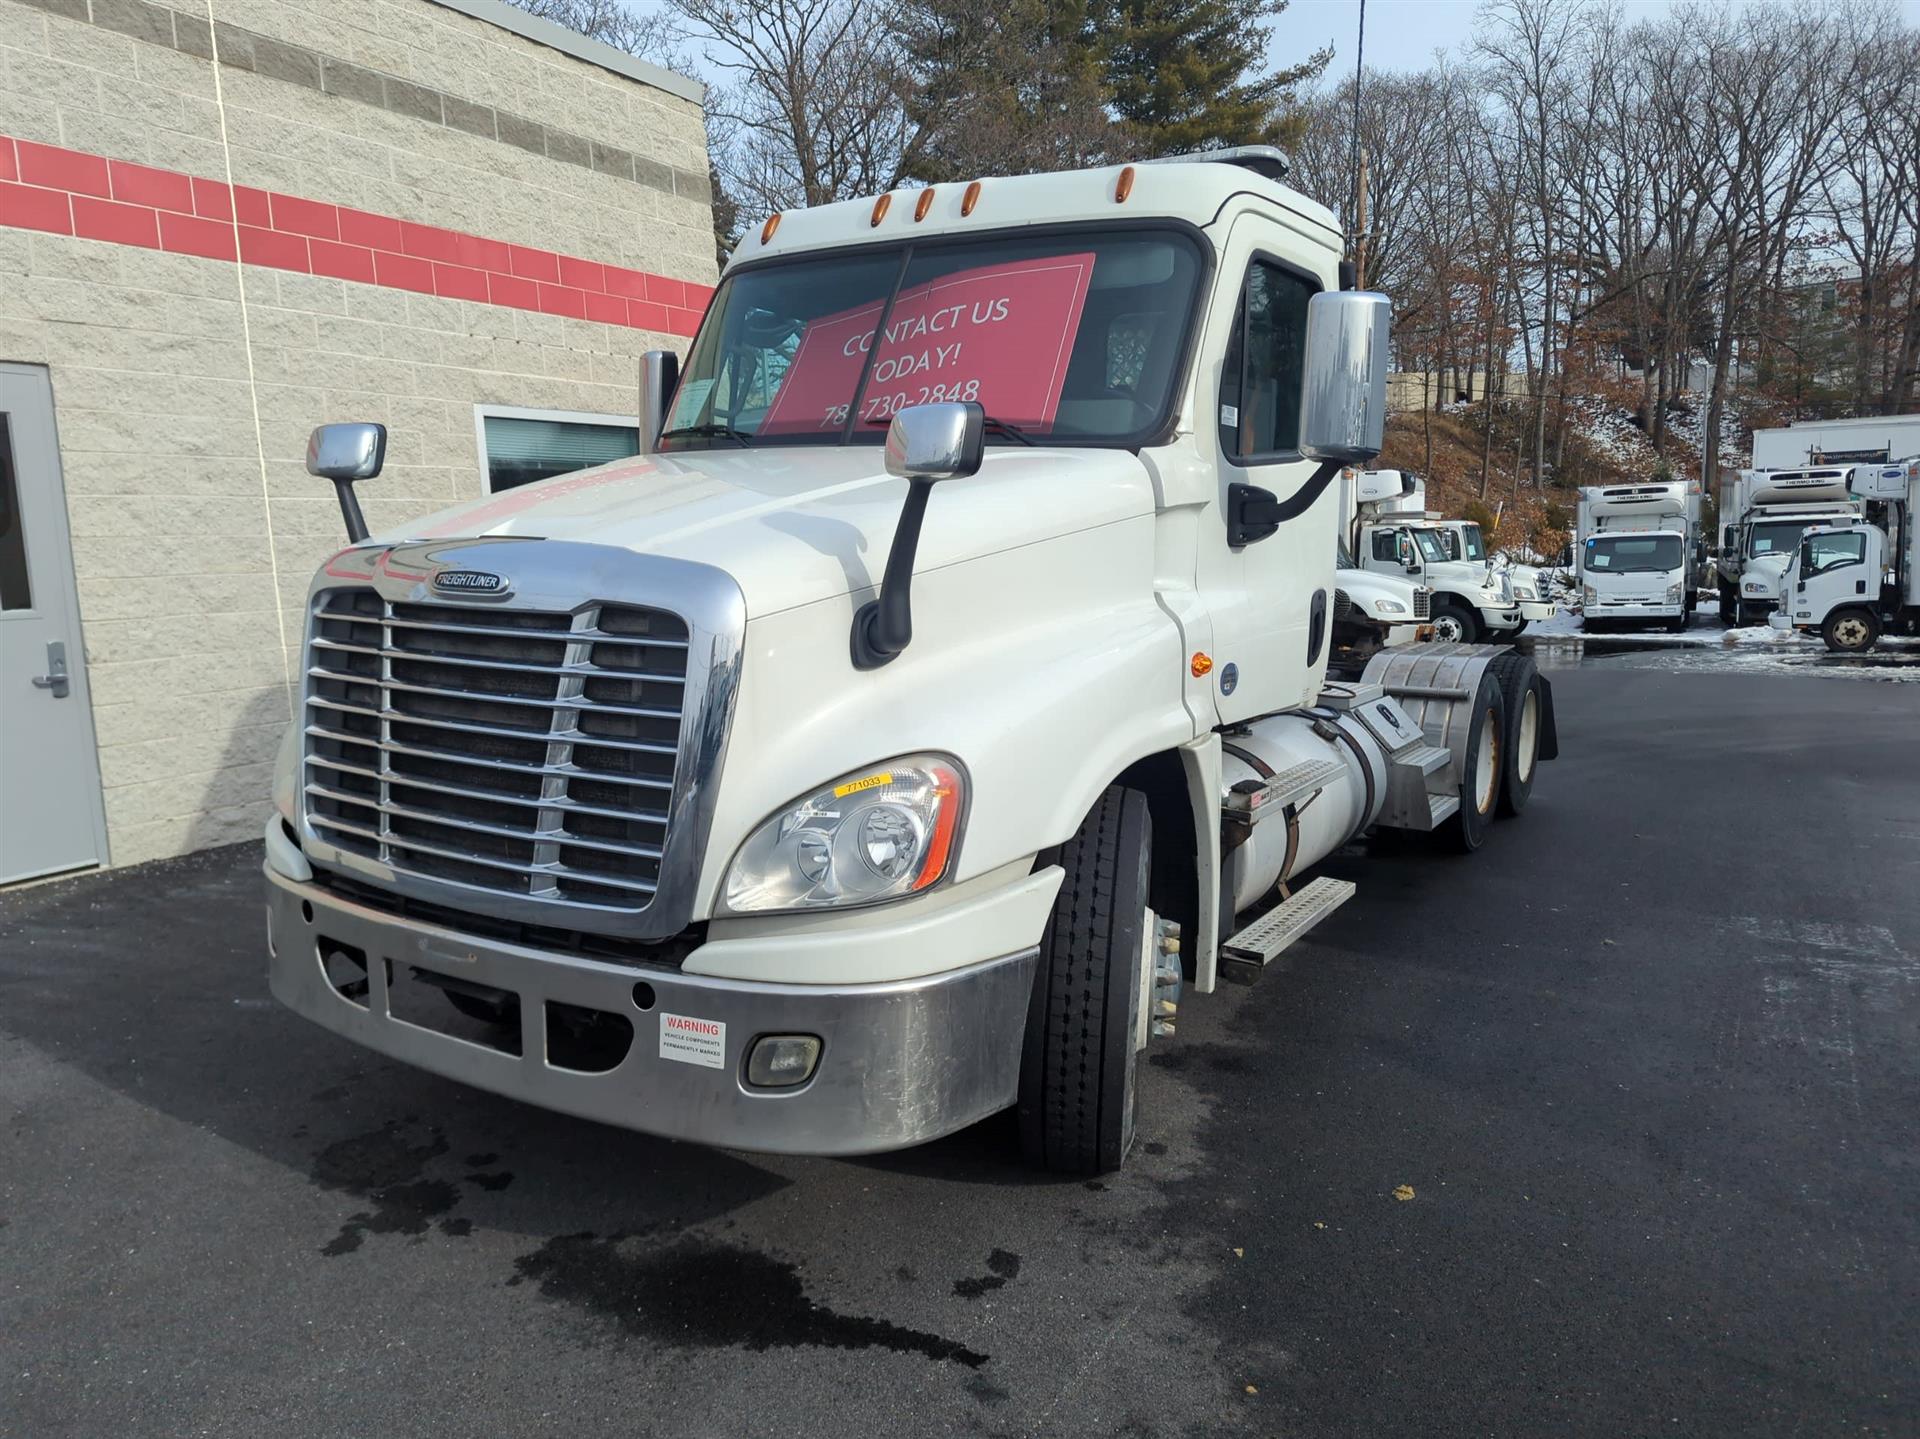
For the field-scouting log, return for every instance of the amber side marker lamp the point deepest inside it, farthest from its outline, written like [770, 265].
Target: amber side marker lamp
[1202, 663]
[970, 199]
[1125, 187]
[922, 205]
[880, 208]
[766, 230]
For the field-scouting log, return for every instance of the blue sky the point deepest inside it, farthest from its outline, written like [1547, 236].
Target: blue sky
[1403, 34]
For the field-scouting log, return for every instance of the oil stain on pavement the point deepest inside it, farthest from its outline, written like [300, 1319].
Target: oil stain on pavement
[701, 1295]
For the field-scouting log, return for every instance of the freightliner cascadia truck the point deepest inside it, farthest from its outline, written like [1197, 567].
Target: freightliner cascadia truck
[938, 699]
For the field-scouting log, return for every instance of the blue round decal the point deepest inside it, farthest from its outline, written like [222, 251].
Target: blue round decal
[1229, 678]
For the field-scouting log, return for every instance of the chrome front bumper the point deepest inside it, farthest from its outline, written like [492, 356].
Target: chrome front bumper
[900, 1063]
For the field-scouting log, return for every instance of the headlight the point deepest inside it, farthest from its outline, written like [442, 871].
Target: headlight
[878, 834]
[1676, 593]
[1389, 607]
[1589, 595]
[1524, 592]
[1754, 587]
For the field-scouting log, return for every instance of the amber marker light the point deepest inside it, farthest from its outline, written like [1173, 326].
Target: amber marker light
[970, 199]
[1202, 663]
[1125, 187]
[766, 230]
[880, 208]
[922, 205]
[946, 821]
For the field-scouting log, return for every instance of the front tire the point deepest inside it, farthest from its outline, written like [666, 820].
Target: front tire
[1729, 606]
[1079, 1069]
[1849, 632]
[1480, 781]
[1455, 624]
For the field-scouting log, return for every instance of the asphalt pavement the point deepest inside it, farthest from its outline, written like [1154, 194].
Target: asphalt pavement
[1608, 1129]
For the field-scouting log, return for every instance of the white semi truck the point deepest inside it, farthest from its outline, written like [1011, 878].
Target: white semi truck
[940, 696]
[1852, 581]
[1638, 550]
[1763, 514]
[1387, 529]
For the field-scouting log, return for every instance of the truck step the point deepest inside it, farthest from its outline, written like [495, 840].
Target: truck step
[1263, 941]
[1288, 786]
[1441, 808]
[1427, 758]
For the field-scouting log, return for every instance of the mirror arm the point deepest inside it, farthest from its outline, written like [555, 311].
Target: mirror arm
[883, 627]
[1254, 513]
[350, 511]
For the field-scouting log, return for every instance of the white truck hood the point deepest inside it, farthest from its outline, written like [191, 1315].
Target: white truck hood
[796, 525]
[1367, 589]
[1763, 574]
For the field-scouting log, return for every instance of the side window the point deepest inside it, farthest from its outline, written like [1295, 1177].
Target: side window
[1384, 547]
[1826, 552]
[1260, 381]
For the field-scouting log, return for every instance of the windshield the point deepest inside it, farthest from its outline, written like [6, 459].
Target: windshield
[1779, 537]
[1072, 338]
[1836, 547]
[1432, 544]
[1634, 554]
[1470, 535]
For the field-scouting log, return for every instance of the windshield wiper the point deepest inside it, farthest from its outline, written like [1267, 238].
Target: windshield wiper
[998, 427]
[709, 432]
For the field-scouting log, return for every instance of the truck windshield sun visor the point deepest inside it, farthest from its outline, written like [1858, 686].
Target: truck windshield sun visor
[1073, 337]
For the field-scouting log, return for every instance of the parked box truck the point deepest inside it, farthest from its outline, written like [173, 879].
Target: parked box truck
[1638, 550]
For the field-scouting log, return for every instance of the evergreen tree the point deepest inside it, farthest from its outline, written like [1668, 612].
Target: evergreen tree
[1185, 74]
[1004, 89]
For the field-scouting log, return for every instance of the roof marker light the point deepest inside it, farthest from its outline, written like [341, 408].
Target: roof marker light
[1125, 187]
[880, 208]
[970, 199]
[766, 230]
[922, 205]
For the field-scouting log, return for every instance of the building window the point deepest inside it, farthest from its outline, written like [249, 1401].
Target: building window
[518, 447]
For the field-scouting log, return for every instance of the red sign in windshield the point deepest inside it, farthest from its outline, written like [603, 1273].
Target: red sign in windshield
[1000, 335]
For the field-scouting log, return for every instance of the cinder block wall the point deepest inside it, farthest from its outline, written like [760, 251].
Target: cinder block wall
[224, 222]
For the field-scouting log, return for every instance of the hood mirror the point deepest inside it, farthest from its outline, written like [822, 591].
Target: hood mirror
[936, 442]
[344, 454]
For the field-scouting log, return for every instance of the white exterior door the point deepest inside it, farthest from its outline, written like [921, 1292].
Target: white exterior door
[51, 817]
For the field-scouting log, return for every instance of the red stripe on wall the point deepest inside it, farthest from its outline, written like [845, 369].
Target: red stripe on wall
[67, 192]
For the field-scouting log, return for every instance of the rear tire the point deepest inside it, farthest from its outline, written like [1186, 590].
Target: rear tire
[1677, 626]
[1480, 781]
[1079, 1068]
[1520, 691]
[1849, 632]
[1729, 606]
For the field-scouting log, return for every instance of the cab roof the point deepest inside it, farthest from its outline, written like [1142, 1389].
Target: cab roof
[1191, 189]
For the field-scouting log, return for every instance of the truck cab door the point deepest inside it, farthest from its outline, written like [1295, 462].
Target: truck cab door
[1270, 600]
[1830, 569]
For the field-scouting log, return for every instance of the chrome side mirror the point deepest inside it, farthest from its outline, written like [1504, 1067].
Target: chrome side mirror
[343, 454]
[937, 442]
[1343, 412]
[659, 377]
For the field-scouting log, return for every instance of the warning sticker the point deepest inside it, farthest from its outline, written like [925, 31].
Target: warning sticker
[693, 1041]
[872, 781]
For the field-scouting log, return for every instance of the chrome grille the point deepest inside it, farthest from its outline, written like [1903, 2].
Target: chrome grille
[1422, 603]
[521, 752]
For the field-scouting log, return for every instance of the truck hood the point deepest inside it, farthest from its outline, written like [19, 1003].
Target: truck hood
[801, 524]
[1367, 589]
[1763, 574]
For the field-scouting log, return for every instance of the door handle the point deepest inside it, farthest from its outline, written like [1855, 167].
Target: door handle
[55, 678]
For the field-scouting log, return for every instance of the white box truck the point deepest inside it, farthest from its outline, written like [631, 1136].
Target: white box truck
[1386, 527]
[1876, 439]
[1852, 581]
[1763, 514]
[1638, 550]
[939, 696]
